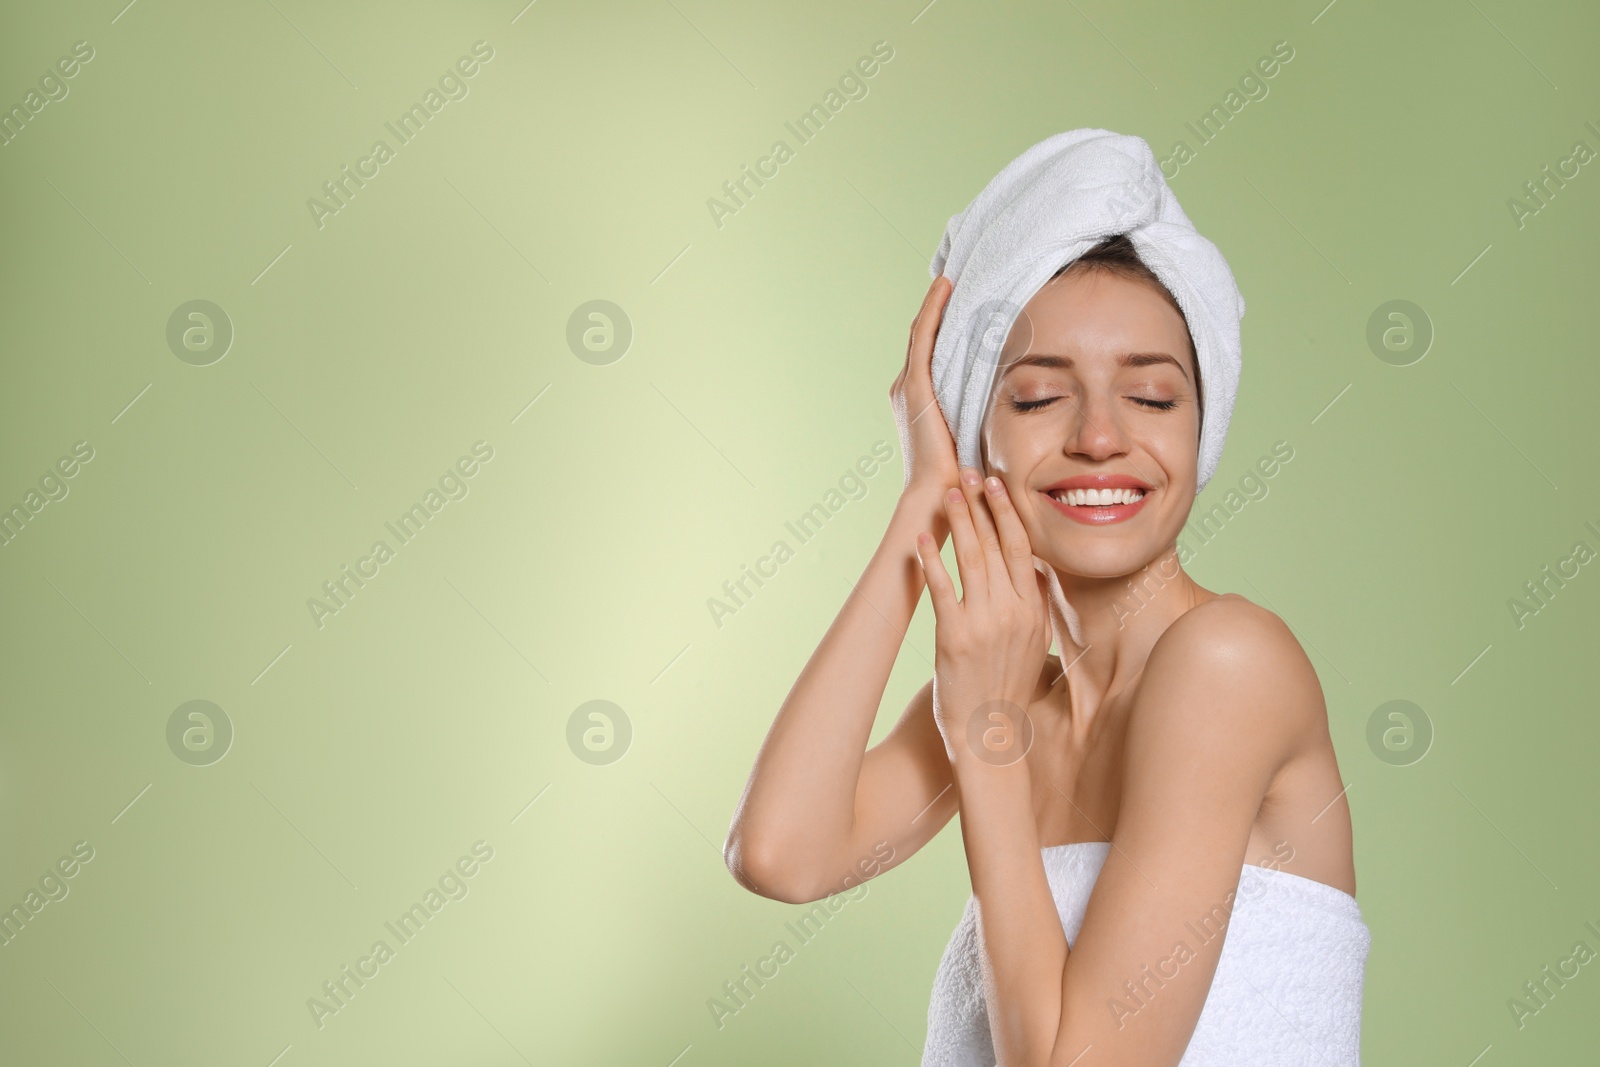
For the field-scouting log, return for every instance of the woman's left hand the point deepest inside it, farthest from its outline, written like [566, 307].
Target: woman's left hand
[991, 644]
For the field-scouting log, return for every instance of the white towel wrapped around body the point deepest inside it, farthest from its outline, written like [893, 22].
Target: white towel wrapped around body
[1046, 208]
[1287, 991]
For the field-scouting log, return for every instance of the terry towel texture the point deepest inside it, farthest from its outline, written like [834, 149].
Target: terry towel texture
[1286, 993]
[1049, 206]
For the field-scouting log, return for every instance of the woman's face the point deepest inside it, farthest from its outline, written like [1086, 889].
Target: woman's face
[1097, 379]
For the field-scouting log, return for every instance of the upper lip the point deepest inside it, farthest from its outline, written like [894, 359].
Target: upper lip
[1098, 481]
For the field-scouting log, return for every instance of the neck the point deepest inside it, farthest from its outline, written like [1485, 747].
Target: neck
[1106, 627]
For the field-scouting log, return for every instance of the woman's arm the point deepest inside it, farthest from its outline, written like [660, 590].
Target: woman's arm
[818, 808]
[991, 644]
[1226, 696]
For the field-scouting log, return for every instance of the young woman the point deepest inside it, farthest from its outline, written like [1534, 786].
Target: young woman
[1154, 821]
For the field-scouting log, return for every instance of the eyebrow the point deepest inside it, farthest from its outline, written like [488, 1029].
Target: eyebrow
[1127, 359]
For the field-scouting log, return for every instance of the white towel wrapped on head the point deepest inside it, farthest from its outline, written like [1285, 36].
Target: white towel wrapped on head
[1049, 206]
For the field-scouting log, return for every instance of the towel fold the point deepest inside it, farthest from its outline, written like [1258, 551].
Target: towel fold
[1046, 208]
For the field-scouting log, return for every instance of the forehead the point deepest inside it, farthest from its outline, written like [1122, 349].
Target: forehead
[1096, 316]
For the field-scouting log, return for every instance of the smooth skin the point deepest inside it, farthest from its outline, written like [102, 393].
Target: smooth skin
[1186, 727]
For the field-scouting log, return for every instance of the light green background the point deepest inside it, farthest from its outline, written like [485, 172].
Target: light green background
[372, 752]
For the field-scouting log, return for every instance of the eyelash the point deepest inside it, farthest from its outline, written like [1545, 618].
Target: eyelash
[1033, 405]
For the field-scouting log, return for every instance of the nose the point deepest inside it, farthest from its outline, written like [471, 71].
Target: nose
[1095, 431]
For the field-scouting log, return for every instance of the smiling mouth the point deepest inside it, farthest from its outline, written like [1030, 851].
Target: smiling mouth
[1091, 498]
[1099, 507]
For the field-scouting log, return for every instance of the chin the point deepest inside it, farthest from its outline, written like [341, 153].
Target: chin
[1100, 561]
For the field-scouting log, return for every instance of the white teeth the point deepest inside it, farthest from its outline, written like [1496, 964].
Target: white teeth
[1096, 497]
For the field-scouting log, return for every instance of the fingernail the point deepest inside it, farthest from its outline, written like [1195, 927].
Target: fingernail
[969, 476]
[954, 495]
[993, 485]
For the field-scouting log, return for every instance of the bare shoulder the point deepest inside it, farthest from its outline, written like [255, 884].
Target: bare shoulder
[1229, 623]
[1233, 632]
[1238, 664]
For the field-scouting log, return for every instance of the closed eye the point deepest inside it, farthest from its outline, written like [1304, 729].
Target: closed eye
[1034, 405]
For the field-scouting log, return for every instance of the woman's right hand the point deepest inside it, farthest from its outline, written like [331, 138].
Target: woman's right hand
[928, 450]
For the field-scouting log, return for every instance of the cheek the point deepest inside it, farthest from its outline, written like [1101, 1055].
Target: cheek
[1033, 510]
[1009, 445]
[1176, 447]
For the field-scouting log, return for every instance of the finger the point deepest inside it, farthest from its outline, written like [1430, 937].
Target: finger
[932, 301]
[969, 553]
[911, 335]
[925, 327]
[940, 589]
[1015, 547]
[988, 535]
